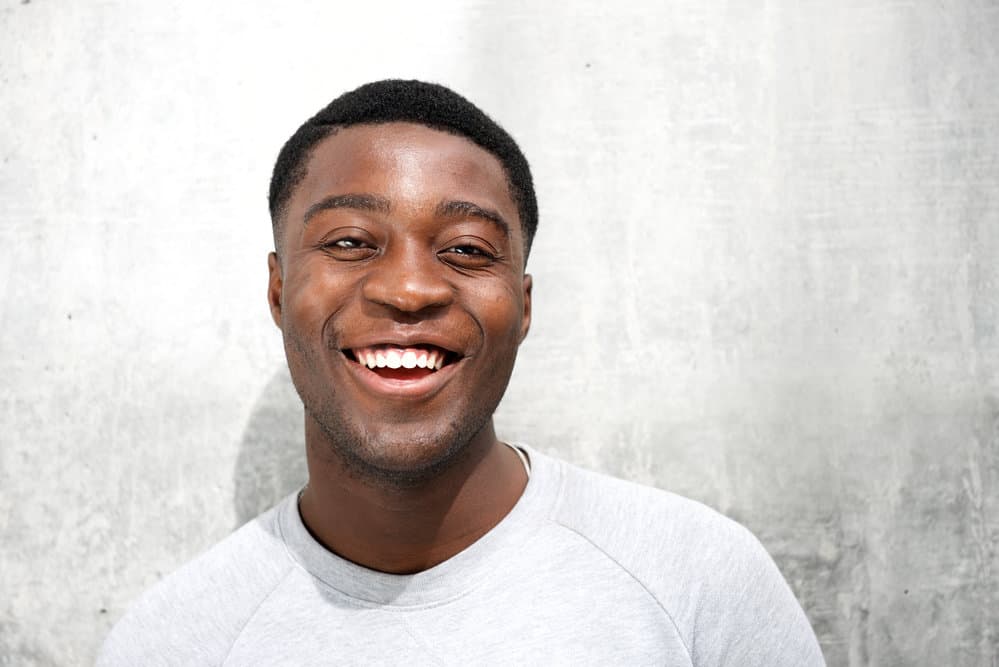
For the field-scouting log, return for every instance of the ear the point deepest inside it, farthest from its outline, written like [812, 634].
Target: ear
[274, 287]
[525, 323]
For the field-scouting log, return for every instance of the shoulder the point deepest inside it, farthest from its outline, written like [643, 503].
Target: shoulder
[625, 517]
[711, 576]
[193, 615]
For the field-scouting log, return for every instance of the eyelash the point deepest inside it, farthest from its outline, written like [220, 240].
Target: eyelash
[475, 251]
[472, 251]
[336, 244]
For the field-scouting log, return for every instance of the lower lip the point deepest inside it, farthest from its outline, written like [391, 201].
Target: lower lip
[416, 388]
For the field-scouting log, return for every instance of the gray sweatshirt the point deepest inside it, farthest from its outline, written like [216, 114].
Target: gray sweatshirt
[586, 569]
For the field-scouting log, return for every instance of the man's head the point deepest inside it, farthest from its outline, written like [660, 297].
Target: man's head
[396, 100]
[400, 291]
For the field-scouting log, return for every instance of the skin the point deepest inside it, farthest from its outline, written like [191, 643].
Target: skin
[374, 248]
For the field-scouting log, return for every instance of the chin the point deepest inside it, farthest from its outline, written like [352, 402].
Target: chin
[401, 453]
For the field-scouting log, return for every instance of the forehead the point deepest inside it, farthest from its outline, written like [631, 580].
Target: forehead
[408, 164]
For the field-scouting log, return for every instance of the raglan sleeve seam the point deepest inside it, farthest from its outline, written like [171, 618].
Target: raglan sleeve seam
[636, 579]
[290, 569]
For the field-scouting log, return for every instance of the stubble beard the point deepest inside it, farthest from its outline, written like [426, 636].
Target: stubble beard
[363, 453]
[366, 455]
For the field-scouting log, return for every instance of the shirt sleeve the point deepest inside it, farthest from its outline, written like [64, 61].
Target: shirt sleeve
[747, 614]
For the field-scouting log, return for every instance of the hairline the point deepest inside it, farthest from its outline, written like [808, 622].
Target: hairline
[301, 171]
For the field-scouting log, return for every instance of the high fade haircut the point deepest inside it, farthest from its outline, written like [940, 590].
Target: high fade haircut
[397, 100]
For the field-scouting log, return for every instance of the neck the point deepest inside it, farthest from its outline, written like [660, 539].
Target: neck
[407, 528]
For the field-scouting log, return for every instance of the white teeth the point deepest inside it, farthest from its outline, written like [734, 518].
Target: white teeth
[396, 357]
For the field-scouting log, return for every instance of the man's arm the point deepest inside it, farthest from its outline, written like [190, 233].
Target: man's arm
[746, 614]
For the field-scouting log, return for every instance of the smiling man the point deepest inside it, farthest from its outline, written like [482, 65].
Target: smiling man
[403, 217]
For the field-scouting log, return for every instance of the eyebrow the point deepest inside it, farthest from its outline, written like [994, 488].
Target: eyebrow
[467, 208]
[359, 201]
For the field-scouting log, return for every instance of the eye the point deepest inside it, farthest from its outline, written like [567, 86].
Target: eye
[348, 243]
[348, 247]
[468, 250]
[467, 255]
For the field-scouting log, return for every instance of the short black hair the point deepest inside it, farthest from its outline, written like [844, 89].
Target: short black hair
[396, 100]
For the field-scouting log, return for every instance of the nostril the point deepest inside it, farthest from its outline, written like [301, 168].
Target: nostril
[409, 293]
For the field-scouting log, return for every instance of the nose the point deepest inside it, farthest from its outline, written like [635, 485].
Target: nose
[408, 279]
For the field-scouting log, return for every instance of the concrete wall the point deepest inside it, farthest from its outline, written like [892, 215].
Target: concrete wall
[766, 278]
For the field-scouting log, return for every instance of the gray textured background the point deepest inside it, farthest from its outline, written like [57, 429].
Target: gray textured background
[766, 278]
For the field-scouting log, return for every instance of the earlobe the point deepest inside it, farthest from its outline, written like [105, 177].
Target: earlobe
[274, 287]
[526, 322]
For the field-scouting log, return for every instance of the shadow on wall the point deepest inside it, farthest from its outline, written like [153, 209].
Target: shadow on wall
[271, 460]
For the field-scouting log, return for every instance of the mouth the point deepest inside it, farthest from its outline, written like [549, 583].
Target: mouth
[394, 362]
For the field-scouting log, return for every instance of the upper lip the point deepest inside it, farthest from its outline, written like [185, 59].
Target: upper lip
[406, 339]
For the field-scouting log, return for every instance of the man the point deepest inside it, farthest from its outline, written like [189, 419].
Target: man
[403, 218]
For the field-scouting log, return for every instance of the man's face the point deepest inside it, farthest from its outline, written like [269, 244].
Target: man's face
[401, 247]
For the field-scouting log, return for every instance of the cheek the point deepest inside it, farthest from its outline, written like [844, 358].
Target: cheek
[311, 297]
[304, 313]
[503, 314]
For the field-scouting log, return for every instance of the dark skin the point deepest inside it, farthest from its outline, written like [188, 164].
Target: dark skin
[402, 238]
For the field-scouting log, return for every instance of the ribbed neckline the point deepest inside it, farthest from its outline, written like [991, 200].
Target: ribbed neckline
[449, 580]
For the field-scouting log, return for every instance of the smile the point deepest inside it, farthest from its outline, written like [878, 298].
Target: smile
[401, 365]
